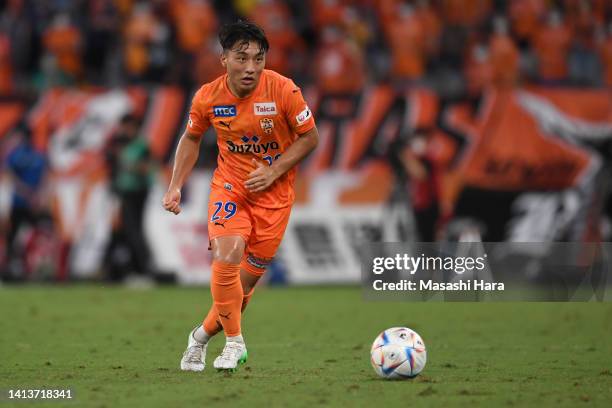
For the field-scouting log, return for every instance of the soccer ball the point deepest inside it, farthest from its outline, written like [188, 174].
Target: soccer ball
[398, 353]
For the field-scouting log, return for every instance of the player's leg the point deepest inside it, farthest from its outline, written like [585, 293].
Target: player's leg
[225, 282]
[261, 249]
[234, 352]
[212, 325]
[227, 296]
[248, 281]
[269, 226]
[229, 226]
[268, 229]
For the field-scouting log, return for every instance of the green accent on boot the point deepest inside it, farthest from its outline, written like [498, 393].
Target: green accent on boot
[241, 361]
[244, 358]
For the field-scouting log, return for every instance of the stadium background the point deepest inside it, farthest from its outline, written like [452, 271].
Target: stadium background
[437, 119]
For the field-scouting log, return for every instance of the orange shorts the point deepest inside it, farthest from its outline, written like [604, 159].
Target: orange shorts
[261, 228]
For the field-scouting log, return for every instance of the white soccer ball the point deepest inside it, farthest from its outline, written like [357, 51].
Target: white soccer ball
[398, 353]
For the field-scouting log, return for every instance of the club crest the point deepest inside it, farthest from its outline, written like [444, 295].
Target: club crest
[267, 125]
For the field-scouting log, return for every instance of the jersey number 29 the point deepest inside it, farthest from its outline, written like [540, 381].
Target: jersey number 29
[229, 208]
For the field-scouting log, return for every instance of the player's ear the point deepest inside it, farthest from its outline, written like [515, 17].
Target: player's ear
[224, 59]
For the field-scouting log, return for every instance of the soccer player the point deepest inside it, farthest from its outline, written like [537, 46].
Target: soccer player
[264, 128]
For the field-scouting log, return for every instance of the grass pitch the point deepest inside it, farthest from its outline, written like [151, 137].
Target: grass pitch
[307, 347]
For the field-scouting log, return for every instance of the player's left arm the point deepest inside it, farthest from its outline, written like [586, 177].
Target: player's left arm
[263, 176]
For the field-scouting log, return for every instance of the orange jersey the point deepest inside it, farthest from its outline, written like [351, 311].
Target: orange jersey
[262, 126]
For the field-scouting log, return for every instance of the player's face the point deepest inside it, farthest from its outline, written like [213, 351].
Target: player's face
[244, 64]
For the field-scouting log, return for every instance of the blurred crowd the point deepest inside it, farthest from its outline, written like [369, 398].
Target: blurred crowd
[337, 44]
[33, 245]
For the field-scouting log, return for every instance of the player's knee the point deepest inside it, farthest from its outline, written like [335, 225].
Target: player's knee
[229, 256]
[229, 250]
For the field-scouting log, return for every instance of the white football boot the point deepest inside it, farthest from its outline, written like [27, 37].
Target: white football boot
[231, 357]
[194, 356]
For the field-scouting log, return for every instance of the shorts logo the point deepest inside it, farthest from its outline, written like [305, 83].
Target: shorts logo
[190, 122]
[267, 125]
[224, 111]
[264, 108]
[303, 116]
[228, 186]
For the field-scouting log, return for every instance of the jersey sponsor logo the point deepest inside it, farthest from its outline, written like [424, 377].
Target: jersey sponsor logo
[303, 116]
[224, 111]
[265, 108]
[251, 147]
[267, 125]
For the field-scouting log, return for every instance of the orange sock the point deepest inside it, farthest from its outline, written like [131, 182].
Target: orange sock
[227, 296]
[212, 325]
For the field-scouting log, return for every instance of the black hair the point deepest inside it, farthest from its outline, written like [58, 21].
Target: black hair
[242, 32]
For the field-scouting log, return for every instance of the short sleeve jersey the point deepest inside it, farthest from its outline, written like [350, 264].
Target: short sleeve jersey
[262, 126]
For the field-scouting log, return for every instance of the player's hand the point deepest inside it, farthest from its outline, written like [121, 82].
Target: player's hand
[261, 178]
[172, 201]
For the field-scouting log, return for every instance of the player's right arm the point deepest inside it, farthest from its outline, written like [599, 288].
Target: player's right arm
[187, 152]
[186, 157]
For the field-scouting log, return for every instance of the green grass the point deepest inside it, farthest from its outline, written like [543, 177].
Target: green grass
[307, 347]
